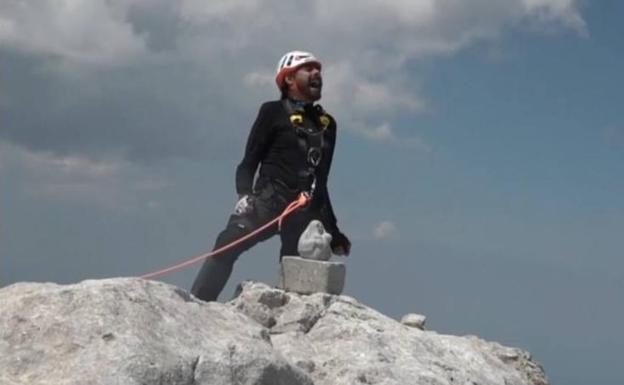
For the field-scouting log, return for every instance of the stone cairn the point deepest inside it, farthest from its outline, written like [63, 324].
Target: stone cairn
[311, 271]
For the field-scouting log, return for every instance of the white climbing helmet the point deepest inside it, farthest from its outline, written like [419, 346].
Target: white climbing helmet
[290, 62]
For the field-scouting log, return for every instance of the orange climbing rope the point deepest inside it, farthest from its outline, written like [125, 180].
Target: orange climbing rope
[301, 201]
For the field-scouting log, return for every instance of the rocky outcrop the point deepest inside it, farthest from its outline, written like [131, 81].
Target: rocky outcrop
[133, 331]
[339, 341]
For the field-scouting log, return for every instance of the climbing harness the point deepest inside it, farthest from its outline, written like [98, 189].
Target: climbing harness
[310, 134]
[302, 200]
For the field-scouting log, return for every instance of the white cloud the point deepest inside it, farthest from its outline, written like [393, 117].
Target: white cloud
[559, 11]
[112, 184]
[347, 85]
[259, 79]
[80, 31]
[201, 11]
[385, 230]
[385, 133]
[365, 107]
[194, 53]
[372, 36]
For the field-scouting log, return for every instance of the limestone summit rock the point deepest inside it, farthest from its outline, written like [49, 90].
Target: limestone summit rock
[339, 341]
[133, 331]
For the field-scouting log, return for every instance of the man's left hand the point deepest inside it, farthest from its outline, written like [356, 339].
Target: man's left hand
[340, 244]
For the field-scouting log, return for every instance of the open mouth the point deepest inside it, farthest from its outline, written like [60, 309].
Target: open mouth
[316, 83]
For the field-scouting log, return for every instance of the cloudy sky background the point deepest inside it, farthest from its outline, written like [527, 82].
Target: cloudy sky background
[478, 169]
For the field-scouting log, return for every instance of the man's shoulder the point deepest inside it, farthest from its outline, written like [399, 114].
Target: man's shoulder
[272, 111]
[323, 113]
[272, 105]
[321, 110]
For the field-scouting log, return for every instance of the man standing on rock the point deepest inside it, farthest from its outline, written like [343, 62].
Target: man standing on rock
[292, 143]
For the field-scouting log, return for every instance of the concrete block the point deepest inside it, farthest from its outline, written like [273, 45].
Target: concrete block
[306, 276]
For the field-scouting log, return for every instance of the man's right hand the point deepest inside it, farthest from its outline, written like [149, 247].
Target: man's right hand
[244, 205]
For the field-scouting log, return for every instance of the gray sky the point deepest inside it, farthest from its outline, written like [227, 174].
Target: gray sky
[477, 171]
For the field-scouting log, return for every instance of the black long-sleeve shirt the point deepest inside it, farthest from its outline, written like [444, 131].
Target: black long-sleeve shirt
[274, 145]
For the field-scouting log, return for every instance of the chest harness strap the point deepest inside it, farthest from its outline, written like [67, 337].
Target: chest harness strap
[310, 123]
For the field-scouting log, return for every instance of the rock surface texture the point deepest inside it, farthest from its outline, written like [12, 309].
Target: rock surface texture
[133, 331]
[414, 320]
